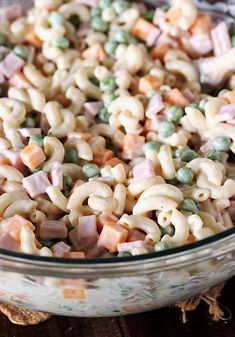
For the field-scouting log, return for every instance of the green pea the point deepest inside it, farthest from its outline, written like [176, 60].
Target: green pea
[223, 92]
[2, 39]
[104, 4]
[189, 205]
[185, 175]
[174, 114]
[233, 40]
[28, 123]
[166, 129]
[99, 24]
[121, 36]
[67, 183]
[104, 115]
[173, 181]
[94, 80]
[108, 84]
[124, 254]
[71, 156]
[152, 93]
[149, 15]
[232, 30]
[180, 151]
[194, 105]
[90, 170]
[56, 18]
[21, 51]
[202, 104]
[221, 143]
[213, 155]
[37, 139]
[155, 146]
[108, 99]
[119, 6]
[110, 47]
[95, 11]
[106, 255]
[163, 245]
[168, 230]
[61, 42]
[188, 155]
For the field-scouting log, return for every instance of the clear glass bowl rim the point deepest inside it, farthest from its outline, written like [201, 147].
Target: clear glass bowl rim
[212, 247]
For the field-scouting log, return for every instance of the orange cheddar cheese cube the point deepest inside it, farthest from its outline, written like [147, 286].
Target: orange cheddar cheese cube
[148, 83]
[111, 235]
[32, 156]
[13, 225]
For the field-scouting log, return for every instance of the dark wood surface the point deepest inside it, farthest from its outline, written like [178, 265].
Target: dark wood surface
[159, 323]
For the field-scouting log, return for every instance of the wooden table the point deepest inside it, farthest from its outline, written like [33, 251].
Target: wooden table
[158, 323]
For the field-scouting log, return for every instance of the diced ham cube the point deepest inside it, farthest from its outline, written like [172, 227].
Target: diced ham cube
[36, 184]
[53, 229]
[28, 132]
[152, 37]
[13, 155]
[166, 39]
[13, 226]
[202, 44]
[85, 235]
[2, 79]
[143, 170]
[7, 242]
[60, 249]
[57, 178]
[95, 251]
[135, 235]
[155, 105]
[11, 64]
[226, 113]
[231, 211]
[159, 17]
[221, 39]
[91, 109]
[132, 146]
[206, 147]
[111, 236]
[11, 13]
[4, 50]
[84, 29]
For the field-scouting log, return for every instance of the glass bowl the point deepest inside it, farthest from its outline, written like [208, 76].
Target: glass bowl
[111, 286]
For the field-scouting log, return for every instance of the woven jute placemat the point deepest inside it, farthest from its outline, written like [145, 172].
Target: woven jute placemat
[21, 316]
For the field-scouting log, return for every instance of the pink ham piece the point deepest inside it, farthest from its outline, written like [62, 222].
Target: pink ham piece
[11, 13]
[221, 39]
[11, 64]
[166, 39]
[155, 105]
[152, 37]
[4, 50]
[13, 155]
[135, 235]
[59, 249]
[202, 44]
[85, 235]
[28, 132]
[2, 79]
[84, 30]
[159, 18]
[36, 184]
[57, 178]
[95, 251]
[91, 3]
[226, 114]
[206, 147]
[231, 211]
[143, 170]
[91, 109]
[7, 242]
[53, 229]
